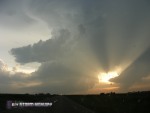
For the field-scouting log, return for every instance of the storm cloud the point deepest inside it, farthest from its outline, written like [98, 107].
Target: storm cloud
[139, 69]
[87, 38]
[61, 63]
[14, 82]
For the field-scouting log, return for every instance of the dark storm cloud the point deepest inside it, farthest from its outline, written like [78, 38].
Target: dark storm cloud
[15, 83]
[89, 31]
[59, 78]
[43, 51]
[61, 63]
[139, 69]
[10, 81]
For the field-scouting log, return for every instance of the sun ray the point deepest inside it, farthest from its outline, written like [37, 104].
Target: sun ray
[105, 77]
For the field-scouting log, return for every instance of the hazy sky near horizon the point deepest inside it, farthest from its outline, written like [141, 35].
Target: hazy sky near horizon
[63, 46]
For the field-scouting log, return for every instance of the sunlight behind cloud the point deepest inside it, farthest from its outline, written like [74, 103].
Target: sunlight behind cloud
[105, 77]
[74, 46]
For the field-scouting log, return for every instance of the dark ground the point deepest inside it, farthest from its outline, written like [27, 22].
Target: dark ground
[133, 102]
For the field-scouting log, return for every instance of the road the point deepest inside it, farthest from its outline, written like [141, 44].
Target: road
[60, 104]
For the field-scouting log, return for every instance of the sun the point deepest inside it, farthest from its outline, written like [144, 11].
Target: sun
[105, 77]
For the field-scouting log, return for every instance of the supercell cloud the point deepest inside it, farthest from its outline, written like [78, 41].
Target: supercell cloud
[87, 38]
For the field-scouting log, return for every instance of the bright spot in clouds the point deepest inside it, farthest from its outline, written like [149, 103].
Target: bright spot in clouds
[14, 70]
[105, 77]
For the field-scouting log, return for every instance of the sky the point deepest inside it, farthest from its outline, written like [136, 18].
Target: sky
[74, 46]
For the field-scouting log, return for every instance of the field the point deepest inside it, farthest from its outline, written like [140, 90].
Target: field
[132, 102]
